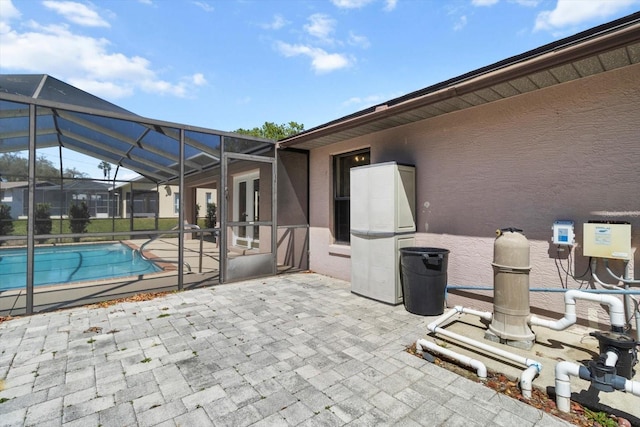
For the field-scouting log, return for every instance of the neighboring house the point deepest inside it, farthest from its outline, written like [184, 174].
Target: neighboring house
[94, 193]
[147, 199]
[11, 194]
[552, 134]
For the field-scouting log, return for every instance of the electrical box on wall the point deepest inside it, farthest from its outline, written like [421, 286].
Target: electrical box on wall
[607, 240]
[563, 233]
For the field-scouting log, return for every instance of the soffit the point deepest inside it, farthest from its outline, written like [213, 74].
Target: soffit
[550, 69]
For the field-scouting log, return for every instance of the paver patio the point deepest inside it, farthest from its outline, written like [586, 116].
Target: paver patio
[296, 349]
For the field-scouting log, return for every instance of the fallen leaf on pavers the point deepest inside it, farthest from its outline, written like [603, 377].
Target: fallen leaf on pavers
[96, 329]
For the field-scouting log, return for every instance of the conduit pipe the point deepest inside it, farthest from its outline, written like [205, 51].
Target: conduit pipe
[565, 370]
[616, 311]
[622, 279]
[532, 367]
[480, 367]
[616, 291]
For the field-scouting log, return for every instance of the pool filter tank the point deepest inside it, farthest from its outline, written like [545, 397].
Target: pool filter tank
[511, 290]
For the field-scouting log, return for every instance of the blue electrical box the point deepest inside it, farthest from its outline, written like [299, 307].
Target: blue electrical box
[563, 233]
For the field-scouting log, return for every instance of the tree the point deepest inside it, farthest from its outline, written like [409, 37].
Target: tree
[16, 168]
[106, 169]
[79, 219]
[74, 173]
[271, 130]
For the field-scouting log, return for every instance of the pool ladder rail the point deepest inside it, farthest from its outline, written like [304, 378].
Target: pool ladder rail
[157, 236]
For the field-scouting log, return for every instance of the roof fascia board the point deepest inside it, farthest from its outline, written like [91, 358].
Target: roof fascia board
[486, 78]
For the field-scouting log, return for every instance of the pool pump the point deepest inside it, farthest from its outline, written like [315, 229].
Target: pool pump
[618, 355]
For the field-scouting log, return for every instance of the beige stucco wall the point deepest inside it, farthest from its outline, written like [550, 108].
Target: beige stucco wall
[567, 152]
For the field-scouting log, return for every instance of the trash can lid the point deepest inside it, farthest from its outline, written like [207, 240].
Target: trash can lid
[424, 250]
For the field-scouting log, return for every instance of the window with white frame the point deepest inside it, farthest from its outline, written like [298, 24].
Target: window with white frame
[342, 165]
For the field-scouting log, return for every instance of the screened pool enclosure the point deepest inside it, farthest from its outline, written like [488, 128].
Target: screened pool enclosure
[202, 206]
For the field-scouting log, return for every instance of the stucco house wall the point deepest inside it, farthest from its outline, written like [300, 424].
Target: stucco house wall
[571, 151]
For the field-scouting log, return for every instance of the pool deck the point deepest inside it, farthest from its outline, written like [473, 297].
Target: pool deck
[204, 272]
[294, 349]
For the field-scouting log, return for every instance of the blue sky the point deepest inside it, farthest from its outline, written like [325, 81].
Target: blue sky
[229, 64]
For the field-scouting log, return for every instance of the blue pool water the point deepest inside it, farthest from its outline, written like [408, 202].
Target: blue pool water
[72, 263]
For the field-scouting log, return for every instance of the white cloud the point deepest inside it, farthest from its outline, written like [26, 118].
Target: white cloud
[204, 6]
[364, 102]
[350, 4]
[567, 13]
[356, 40]
[321, 61]
[85, 62]
[390, 5]
[9, 11]
[527, 3]
[78, 13]
[320, 26]
[276, 23]
[484, 2]
[198, 79]
[462, 22]
[95, 87]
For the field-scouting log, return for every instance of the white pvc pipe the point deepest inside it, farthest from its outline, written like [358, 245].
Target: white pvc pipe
[486, 315]
[480, 367]
[537, 366]
[616, 310]
[632, 387]
[612, 358]
[526, 380]
[443, 318]
[565, 370]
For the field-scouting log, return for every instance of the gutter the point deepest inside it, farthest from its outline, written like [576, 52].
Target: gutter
[586, 44]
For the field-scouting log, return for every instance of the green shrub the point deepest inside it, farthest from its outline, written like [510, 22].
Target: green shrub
[79, 219]
[211, 219]
[6, 222]
[43, 224]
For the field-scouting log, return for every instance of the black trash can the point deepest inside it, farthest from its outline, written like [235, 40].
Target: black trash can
[423, 275]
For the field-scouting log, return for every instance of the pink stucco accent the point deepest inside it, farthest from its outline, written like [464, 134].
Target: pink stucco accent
[571, 151]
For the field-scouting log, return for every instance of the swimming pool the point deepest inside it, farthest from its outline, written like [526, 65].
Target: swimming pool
[71, 263]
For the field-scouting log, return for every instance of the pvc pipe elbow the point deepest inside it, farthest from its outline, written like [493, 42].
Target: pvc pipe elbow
[616, 308]
[556, 325]
[566, 369]
[446, 316]
[526, 380]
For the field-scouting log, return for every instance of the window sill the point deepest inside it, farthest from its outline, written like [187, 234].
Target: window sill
[340, 250]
